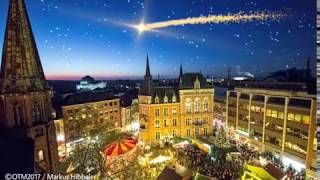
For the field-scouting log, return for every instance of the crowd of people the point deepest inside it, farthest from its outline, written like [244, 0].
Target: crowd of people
[201, 162]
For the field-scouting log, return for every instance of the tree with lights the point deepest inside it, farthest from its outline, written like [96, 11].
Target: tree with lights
[222, 144]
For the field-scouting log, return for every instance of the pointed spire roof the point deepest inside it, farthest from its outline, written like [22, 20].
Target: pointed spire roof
[181, 72]
[148, 74]
[21, 69]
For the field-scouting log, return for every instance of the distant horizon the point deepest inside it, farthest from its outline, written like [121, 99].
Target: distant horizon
[140, 77]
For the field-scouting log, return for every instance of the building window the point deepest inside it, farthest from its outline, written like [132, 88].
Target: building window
[174, 99]
[281, 115]
[157, 125]
[157, 112]
[205, 131]
[274, 114]
[297, 117]
[165, 99]
[188, 121]
[174, 122]
[156, 99]
[174, 133]
[174, 111]
[188, 106]
[268, 113]
[306, 119]
[291, 117]
[165, 123]
[40, 155]
[17, 114]
[110, 103]
[205, 105]
[157, 135]
[197, 131]
[188, 132]
[36, 112]
[197, 105]
[205, 120]
[165, 111]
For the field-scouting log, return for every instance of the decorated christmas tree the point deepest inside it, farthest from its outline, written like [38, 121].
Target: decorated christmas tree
[222, 145]
[221, 140]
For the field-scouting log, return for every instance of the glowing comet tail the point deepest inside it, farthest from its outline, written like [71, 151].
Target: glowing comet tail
[214, 19]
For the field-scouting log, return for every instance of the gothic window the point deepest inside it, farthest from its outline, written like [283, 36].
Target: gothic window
[36, 112]
[17, 114]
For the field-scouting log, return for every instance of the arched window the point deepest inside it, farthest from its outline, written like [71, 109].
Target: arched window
[205, 105]
[40, 155]
[36, 112]
[18, 114]
[188, 105]
[197, 105]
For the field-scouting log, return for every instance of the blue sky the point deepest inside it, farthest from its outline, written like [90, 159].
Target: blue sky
[80, 37]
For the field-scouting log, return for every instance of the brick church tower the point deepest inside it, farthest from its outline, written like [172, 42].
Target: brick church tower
[25, 97]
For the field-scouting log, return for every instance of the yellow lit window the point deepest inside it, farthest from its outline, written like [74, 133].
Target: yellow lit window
[306, 119]
[314, 147]
[174, 111]
[290, 116]
[83, 116]
[298, 117]
[274, 114]
[253, 108]
[40, 155]
[268, 112]
[280, 115]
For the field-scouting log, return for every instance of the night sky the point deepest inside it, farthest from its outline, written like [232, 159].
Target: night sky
[80, 37]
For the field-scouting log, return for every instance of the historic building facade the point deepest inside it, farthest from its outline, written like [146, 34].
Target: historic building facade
[89, 113]
[25, 97]
[182, 110]
[280, 121]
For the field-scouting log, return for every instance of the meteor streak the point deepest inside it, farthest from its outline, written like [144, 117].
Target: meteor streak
[215, 19]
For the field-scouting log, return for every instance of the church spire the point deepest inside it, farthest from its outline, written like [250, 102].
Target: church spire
[147, 83]
[21, 69]
[148, 74]
[180, 76]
